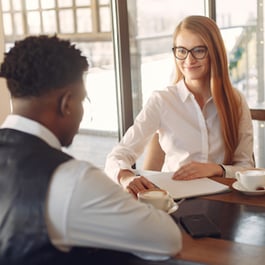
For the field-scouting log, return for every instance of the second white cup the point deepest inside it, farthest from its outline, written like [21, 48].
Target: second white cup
[251, 179]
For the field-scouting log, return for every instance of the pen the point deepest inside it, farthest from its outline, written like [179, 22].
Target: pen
[180, 201]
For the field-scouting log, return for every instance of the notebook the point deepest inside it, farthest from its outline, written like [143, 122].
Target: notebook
[184, 188]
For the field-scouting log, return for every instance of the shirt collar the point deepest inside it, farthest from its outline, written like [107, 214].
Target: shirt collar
[29, 126]
[184, 93]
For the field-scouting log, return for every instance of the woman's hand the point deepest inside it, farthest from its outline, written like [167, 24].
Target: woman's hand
[194, 170]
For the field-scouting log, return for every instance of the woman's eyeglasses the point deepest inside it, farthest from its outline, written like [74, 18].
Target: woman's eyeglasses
[198, 52]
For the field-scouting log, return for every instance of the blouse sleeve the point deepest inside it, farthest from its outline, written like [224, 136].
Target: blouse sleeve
[133, 143]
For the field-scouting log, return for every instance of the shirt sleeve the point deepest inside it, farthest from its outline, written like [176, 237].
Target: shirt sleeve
[244, 157]
[96, 212]
[132, 145]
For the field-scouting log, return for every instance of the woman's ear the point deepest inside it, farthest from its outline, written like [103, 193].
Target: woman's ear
[65, 104]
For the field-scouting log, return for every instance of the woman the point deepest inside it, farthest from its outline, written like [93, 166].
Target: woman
[204, 124]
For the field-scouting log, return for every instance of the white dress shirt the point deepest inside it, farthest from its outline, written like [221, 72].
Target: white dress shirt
[86, 208]
[186, 133]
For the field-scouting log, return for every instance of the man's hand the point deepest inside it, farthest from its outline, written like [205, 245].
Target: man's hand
[133, 184]
[139, 183]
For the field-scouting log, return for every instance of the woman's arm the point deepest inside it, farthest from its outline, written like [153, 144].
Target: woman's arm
[133, 143]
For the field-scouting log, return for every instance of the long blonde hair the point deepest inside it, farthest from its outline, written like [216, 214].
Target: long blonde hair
[226, 98]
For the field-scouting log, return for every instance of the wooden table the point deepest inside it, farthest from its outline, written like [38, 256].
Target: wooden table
[216, 251]
[224, 252]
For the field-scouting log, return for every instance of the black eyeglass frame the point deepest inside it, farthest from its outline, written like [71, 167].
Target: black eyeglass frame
[191, 52]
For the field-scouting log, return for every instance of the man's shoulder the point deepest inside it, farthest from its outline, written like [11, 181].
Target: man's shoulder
[75, 168]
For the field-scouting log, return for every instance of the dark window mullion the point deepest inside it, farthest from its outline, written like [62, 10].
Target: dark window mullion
[120, 33]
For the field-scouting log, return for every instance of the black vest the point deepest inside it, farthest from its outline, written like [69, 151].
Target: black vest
[26, 166]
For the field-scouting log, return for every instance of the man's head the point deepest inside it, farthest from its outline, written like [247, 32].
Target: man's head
[45, 79]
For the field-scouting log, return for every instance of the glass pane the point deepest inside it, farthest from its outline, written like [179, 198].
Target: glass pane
[66, 21]
[162, 16]
[244, 38]
[151, 26]
[5, 5]
[227, 12]
[101, 112]
[84, 22]
[82, 2]
[7, 24]
[49, 21]
[16, 4]
[104, 2]
[101, 116]
[33, 19]
[99, 127]
[32, 4]
[240, 35]
[105, 20]
[47, 3]
[65, 3]
[18, 21]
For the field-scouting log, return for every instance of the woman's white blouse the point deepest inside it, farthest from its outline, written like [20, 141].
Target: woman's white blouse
[186, 133]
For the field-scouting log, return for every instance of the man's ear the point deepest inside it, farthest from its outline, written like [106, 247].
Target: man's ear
[65, 104]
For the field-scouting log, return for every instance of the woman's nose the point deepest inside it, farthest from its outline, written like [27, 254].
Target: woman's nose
[190, 58]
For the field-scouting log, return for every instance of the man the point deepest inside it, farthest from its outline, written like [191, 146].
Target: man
[55, 209]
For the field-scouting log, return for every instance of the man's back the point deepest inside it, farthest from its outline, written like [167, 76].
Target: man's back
[69, 203]
[26, 166]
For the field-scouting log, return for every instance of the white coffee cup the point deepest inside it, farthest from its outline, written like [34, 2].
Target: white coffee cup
[251, 180]
[160, 199]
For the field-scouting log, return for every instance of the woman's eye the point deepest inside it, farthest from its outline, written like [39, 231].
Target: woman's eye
[199, 50]
[182, 51]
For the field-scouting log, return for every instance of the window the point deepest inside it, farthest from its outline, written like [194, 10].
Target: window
[243, 33]
[64, 17]
[87, 23]
[151, 24]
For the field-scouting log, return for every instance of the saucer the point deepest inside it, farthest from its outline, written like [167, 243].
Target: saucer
[237, 186]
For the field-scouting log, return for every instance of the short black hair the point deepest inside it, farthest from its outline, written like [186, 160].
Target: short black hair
[38, 64]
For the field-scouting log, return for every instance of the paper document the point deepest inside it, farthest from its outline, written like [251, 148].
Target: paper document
[184, 188]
